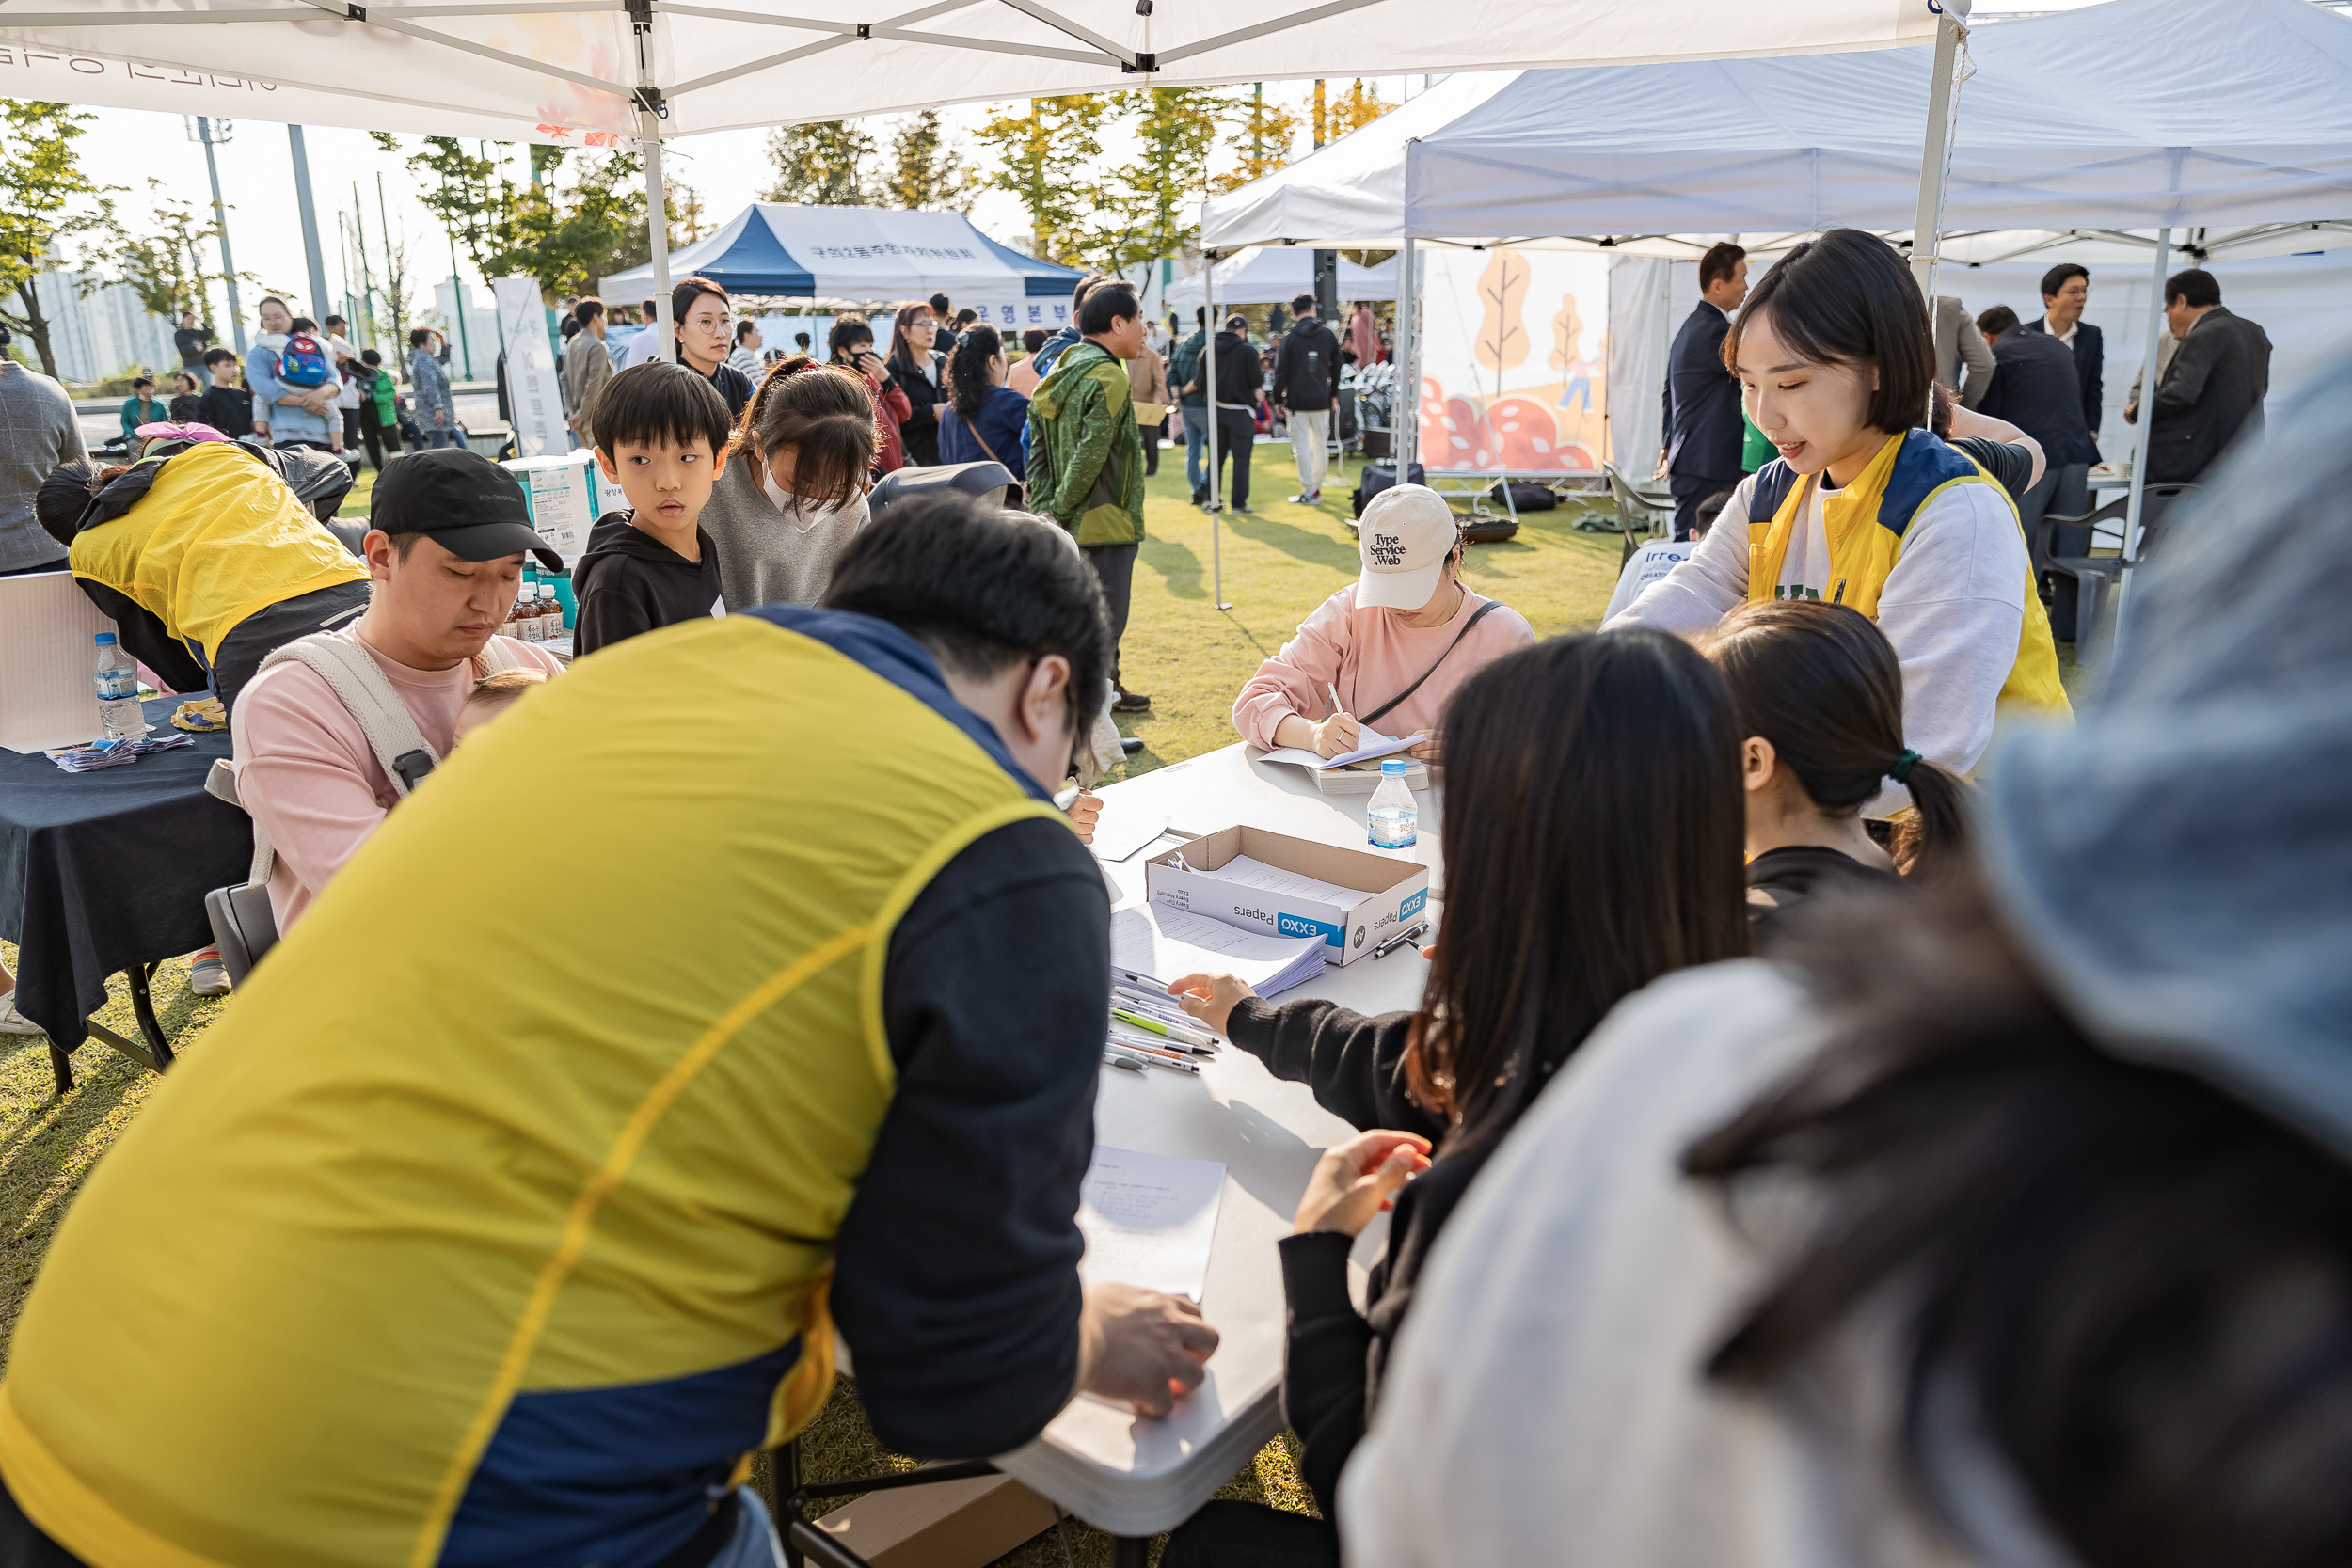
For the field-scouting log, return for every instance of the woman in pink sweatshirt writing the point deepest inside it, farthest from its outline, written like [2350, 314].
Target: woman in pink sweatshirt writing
[1387, 653]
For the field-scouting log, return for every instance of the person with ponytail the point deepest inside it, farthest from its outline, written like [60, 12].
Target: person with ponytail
[983, 420]
[1820, 703]
[1867, 507]
[1592, 845]
[793, 495]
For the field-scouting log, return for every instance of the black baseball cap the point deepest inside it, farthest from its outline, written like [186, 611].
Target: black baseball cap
[470, 506]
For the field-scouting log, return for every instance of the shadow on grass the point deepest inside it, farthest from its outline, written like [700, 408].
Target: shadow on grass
[1317, 549]
[1178, 566]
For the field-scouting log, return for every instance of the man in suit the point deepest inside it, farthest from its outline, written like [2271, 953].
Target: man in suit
[2065, 290]
[1701, 427]
[2035, 389]
[2212, 391]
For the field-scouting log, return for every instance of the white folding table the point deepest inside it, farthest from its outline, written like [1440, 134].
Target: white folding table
[1133, 1477]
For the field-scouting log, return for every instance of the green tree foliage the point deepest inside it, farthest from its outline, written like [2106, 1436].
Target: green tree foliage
[926, 173]
[1152, 207]
[570, 237]
[164, 264]
[1046, 154]
[822, 165]
[46, 201]
[1263, 133]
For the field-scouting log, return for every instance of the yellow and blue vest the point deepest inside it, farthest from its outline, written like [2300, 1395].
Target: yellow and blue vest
[1866, 527]
[214, 538]
[493, 1224]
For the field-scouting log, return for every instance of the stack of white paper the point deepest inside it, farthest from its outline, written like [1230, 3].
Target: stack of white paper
[1149, 1219]
[1156, 944]
[1375, 745]
[1250, 871]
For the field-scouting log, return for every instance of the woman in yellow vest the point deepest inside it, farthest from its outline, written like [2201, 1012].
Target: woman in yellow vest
[482, 1235]
[1863, 507]
[205, 556]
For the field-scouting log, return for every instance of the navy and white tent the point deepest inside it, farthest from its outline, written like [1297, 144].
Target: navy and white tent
[867, 255]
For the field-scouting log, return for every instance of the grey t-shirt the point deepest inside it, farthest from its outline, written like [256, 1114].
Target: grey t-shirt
[37, 431]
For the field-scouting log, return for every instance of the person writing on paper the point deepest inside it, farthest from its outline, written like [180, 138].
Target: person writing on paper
[1592, 845]
[516, 1254]
[1864, 507]
[1393, 647]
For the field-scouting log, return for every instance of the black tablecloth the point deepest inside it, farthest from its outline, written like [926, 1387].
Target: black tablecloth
[101, 871]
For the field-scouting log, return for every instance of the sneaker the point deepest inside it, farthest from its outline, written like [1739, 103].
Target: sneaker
[207, 975]
[1131, 744]
[1242, 507]
[1312, 498]
[14, 1023]
[1131, 701]
[1200, 498]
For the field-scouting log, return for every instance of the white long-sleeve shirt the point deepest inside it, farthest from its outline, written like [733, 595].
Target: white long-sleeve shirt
[1954, 607]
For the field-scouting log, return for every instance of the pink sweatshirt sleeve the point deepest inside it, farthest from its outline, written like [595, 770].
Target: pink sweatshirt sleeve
[1293, 681]
[304, 773]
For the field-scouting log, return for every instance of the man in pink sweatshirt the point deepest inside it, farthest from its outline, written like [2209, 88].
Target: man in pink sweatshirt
[445, 548]
[1395, 646]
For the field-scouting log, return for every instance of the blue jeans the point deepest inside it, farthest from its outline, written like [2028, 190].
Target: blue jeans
[754, 1543]
[1196, 447]
[439, 436]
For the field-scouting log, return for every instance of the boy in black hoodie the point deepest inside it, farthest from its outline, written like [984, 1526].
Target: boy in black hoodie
[661, 435]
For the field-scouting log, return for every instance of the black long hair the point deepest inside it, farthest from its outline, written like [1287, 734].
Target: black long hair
[2135, 1289]
[1592, 837]
[1822, 685]
[967, 370]
[1847, 299]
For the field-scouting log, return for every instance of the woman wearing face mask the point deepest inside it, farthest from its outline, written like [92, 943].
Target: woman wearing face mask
[793, 495]
[1864, 508]
[921, 373]
[704, 319]
[851, 347]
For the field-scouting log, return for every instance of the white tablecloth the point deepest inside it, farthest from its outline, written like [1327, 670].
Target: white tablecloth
[1135, 1477]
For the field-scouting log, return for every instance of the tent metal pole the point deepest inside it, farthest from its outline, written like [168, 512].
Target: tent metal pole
[1935, 160]
[657, 235]
[1405, 396]
[2134, 513]
[1217, 502]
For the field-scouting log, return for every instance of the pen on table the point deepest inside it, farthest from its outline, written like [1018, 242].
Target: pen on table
[1398, 940]
[1165, 1013]
[1332, 686]
[1153, 1026]
[1137, 977]
[1142, 1042]
[1163, 1006]
[1147, 1048]
[1135, 1053]
[1127, 1062]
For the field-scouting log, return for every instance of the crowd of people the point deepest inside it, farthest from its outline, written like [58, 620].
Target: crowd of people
[1800, 1154]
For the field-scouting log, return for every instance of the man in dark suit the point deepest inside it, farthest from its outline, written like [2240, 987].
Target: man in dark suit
[1701, 428]
[2212, 391]
[2034, 389]
[2065, 290]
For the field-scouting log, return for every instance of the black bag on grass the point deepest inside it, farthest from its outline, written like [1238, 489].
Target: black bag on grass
[1378, 477]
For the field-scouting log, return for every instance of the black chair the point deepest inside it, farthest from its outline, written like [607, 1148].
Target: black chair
[2075, 583]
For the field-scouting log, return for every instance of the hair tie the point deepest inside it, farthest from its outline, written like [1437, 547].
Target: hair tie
[1900, 773]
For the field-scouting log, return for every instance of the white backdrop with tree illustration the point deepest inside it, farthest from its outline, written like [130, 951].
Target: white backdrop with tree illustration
[1514, 361]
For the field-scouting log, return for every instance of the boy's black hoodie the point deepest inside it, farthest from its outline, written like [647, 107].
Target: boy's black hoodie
[629, 582]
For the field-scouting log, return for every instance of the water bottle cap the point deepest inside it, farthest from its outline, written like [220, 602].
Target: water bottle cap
[1393, 764]
[106, 639]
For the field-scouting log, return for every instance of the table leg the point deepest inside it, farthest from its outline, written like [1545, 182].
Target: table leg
[143, 1007]
[61, 1068]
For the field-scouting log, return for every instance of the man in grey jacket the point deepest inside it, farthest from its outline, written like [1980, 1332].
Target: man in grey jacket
[587, 366]
[37, 431]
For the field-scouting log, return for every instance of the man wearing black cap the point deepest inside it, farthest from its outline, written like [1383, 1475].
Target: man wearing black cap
[445, 550]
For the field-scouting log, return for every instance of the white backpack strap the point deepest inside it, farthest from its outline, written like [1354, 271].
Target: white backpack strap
[497, 654]
[221, 784]
[370, 697]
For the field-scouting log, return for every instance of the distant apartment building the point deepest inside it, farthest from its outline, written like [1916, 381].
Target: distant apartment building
[96, 336]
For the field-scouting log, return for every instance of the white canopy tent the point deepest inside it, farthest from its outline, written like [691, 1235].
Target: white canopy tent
[1266, 273]
[2227, 122]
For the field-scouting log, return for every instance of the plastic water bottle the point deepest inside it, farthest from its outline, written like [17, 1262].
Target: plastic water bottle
[1394, 819]
[118, 677]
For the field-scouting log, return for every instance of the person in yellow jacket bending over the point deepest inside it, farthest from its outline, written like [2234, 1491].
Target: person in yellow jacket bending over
[203, 556]
[486, 1231]
[1864, 508]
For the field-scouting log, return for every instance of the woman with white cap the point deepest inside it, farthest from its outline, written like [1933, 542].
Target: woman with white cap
[2015, 1233]
[1394, 645]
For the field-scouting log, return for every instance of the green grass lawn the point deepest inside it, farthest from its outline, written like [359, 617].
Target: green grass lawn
[1189, 656]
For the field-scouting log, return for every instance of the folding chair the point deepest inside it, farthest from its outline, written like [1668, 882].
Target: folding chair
[2060, 548]
[1654, 512]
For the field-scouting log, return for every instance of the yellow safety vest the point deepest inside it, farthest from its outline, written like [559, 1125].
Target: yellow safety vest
[494, 1185]
[216, 537]
[1865, 524]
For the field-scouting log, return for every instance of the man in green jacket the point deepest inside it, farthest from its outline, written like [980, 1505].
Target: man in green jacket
[1085, 454]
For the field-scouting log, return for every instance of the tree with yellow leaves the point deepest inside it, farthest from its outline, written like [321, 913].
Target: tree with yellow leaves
[1046, 156]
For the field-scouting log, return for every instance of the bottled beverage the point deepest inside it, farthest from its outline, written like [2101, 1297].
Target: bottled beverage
[118, 677]
[1394, 819]
[527, 616]
[550, 613]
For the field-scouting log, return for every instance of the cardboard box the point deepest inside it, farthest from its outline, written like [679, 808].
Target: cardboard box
[566, 496]
[1393, 890]
[47, 659]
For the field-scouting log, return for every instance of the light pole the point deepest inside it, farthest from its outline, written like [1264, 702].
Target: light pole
[217, 132]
